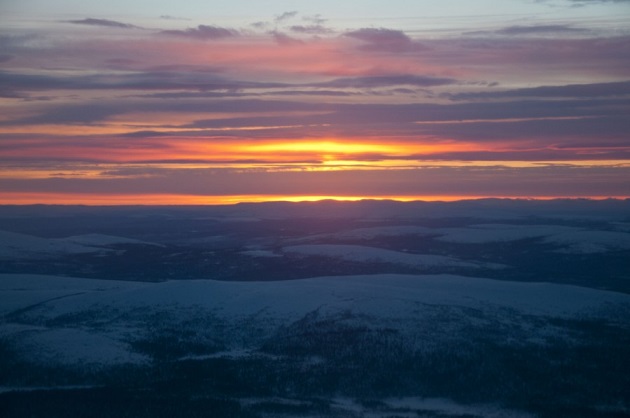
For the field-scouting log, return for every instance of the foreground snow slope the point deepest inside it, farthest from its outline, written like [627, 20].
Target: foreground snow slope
[83, 321]
[372, 294]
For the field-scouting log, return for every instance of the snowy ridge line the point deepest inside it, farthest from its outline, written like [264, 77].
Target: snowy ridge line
[360, 253]
[573, 239]
[15, 245]
[303, 295]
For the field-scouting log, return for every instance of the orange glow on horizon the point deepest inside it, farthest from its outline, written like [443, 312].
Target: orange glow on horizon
[19, 198]
[223, 149]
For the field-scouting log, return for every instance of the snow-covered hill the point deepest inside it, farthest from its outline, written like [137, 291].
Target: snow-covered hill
[376, 255]
[570, 239]
[79, 320]
[17, 246]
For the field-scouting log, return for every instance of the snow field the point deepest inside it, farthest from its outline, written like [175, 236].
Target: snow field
[91, 321]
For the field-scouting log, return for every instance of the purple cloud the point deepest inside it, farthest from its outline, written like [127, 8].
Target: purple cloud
[203, 32]
[527, 30]
[143, 80]
[459, 181]
[169, 17]
[260, 25]
[315, 19]
[600, 1]
[102, 22]
[378, 39]
[532, 30]
[387, 81]
[310, 29]
[572, 132]
[612, 89]
[284, 39]
[285, 16]
[380, 36]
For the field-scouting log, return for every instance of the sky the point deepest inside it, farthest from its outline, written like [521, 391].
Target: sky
[209, 102]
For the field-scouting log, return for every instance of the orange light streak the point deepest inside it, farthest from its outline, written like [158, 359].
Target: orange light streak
[19, 198]
[318, 147]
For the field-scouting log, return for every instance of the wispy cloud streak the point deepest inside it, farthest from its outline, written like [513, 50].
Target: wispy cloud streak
[203, 32]
[102, 22]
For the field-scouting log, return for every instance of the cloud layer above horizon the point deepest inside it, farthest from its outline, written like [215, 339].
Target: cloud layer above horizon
[531, 101]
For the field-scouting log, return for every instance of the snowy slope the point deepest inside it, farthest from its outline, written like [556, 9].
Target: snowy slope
[371, 232]
[572, 239]
[99, 240]
[590, 242]
[14, 245]
[374, 295]
[71, 320]
[19, 291]
[486, 233]
[378, 255]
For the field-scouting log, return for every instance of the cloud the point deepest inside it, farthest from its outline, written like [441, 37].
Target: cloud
[260, 25]
[600, 1]
[578, 132]
[517, 30]
[284, 39]
[9, 93]
[13, 84]
[537, 120]
[528, 30]
[458, 181]
[382, 39]
[285, 16]
[620, 88]
[168, 17]
[310, 29]
[583, 3]
[315, 26]
[380, 36]
[553, 56]
[102, 111]
[102, 22]
[315, 19]
[387, 81]
[30, 82]
[203, 32]
[241, 93]
[309, 93]
[73, 115]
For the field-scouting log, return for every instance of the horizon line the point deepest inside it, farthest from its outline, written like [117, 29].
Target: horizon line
[229, 200]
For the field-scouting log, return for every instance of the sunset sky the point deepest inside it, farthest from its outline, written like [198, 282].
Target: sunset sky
[194, 102]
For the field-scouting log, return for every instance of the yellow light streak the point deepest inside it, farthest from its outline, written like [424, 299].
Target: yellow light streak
[19, 198]
[320, 147]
